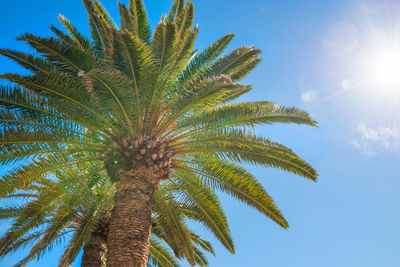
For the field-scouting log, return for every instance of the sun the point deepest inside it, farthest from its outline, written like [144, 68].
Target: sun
[377, 75]
[381, 67]
[364, 60]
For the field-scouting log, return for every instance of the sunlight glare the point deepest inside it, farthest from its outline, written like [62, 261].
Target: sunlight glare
[382, 67]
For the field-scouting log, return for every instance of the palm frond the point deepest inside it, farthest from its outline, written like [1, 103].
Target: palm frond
[204, 244]
[138, 12]
[98, 28]
[243, 114]
[79, 38]
[235, 181]
[173, 224]
[25, 101]
[176, 10]
[205, 206]
[240, 146]
[28, 61]
[200, 258]
[233, 63]
[205, 57]
[160, 256]
[200, 95]
[64, 57]
[185, 19]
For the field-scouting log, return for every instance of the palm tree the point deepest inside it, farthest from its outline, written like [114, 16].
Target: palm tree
[75, 205]
[153, 112]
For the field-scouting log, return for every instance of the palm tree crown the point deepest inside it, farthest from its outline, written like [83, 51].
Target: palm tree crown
[151, 112]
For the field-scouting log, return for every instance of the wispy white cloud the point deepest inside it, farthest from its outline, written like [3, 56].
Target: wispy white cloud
[372, 140]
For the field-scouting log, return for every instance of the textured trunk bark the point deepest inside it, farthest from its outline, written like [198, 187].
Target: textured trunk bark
[129, 235]
[93, 252]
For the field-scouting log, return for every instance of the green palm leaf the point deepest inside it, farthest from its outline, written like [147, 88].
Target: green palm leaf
[30, 62]
[235, 181]
[205, 206]
[138, 12]
[80, 39]
[160, 256]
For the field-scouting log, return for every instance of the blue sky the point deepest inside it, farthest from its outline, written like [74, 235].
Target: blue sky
[314, 57]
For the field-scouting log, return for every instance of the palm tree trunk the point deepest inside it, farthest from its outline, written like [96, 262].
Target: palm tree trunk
[129, 235]
[93, 251]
